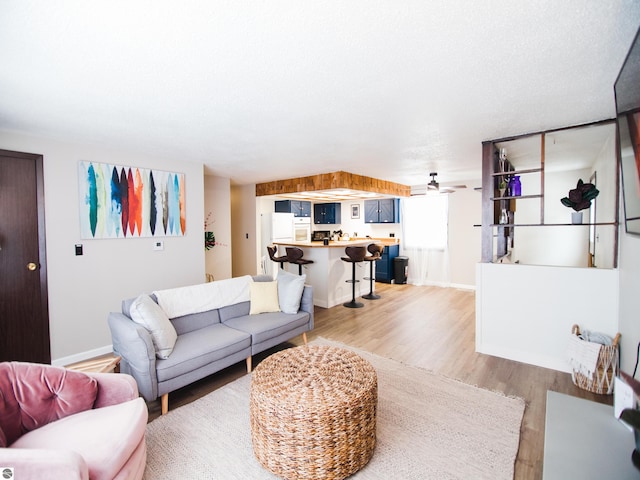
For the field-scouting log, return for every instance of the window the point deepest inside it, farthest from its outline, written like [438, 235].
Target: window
[425, 222]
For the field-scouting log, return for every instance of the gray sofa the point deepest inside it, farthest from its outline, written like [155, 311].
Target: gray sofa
[207, 342]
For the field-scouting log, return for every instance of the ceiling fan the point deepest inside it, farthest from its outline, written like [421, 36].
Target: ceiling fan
[434, 188]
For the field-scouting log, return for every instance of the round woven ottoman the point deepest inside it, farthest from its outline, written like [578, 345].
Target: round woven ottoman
[313, 412]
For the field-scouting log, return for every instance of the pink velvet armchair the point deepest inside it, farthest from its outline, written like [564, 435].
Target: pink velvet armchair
[58, 423]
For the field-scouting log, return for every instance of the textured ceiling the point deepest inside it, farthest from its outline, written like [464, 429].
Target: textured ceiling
[267, 90]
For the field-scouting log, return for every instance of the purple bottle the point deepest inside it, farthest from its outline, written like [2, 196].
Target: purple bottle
[515, 187]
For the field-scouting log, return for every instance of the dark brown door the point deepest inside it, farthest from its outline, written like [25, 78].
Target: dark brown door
[24, 313]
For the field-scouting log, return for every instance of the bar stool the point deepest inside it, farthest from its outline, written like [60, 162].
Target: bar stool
[272, 255]
[376, 254]
[354, 255]
[294, 255]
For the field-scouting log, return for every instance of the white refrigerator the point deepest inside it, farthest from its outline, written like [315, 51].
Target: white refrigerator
[276, 227]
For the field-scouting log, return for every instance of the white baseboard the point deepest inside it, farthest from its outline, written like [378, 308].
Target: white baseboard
[82, 356]
[460, 286]
[543, 361]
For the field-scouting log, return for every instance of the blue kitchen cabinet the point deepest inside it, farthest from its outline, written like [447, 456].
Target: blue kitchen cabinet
[384, 266]
[299, 208]
[327, 213]
[383, 210]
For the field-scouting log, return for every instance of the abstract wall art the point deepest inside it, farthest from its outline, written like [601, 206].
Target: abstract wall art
[125, 202]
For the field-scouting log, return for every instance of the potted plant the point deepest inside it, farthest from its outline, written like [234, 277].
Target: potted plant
[631, 416]
[209, 237]
[502, 187]
[579, 199]
[209, 240]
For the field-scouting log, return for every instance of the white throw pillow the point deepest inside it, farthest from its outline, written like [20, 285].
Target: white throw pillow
[263, 297]
[144, 311]
[290, 289]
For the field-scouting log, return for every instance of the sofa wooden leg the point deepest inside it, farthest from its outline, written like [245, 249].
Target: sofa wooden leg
[249, 364]
[304, 337]
[164, 402]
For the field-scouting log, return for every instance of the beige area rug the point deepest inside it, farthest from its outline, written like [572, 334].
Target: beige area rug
[428, 427]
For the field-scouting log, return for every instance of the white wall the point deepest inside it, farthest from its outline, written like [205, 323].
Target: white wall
[357, 225]
[264, 205]
[567, 245]
[244, 230]
[465, 211]
[629, 319]
[465, 240]
[525, 312]
[217, 203]
[84, 289]
[605, 204]
[550, 245]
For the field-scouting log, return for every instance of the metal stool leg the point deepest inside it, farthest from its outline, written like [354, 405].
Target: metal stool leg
[353, 303]
[371, 295]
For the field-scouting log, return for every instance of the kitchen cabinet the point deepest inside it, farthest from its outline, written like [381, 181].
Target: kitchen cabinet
[299, 208]
[384, 266]
[327, 213]
[384, 210]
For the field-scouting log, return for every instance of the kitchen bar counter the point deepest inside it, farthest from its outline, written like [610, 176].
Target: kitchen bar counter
[342, 243]
[328, 274]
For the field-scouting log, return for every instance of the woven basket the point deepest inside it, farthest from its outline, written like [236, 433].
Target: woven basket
[601, 381]
[313, 412]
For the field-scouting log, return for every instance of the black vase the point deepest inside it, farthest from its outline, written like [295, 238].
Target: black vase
[635, 458]
[635, 455]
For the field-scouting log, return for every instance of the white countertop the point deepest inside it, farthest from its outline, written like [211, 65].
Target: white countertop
[343, 243]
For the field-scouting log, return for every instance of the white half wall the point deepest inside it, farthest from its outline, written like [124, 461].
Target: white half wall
[525, 312]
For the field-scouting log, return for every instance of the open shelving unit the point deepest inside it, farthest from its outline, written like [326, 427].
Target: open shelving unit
[498, 238]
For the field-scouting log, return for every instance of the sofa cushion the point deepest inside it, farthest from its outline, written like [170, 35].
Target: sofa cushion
[33, 395]
[263, 297]
[268, 325]
[144, 311]
[290, 289]
[121, 428]
[238, 310]
[195, 321]
[201, 347]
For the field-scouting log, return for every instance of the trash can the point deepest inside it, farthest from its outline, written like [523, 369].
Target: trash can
[400, 269]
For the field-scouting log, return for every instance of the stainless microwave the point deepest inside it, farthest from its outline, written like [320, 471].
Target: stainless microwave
[320, 235]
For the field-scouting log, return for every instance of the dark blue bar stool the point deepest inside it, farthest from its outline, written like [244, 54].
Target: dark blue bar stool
[295, 254]
[272, 255]
[375, 250]
[354, 255]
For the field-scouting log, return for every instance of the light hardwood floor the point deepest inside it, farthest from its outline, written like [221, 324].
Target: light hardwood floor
[433, 328]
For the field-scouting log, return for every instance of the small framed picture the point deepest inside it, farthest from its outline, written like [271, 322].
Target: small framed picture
[355, 210]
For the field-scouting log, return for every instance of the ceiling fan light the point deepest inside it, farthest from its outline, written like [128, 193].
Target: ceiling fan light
[433, 185]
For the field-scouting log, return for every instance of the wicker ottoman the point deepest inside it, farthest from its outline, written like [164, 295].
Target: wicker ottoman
[313, 412]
